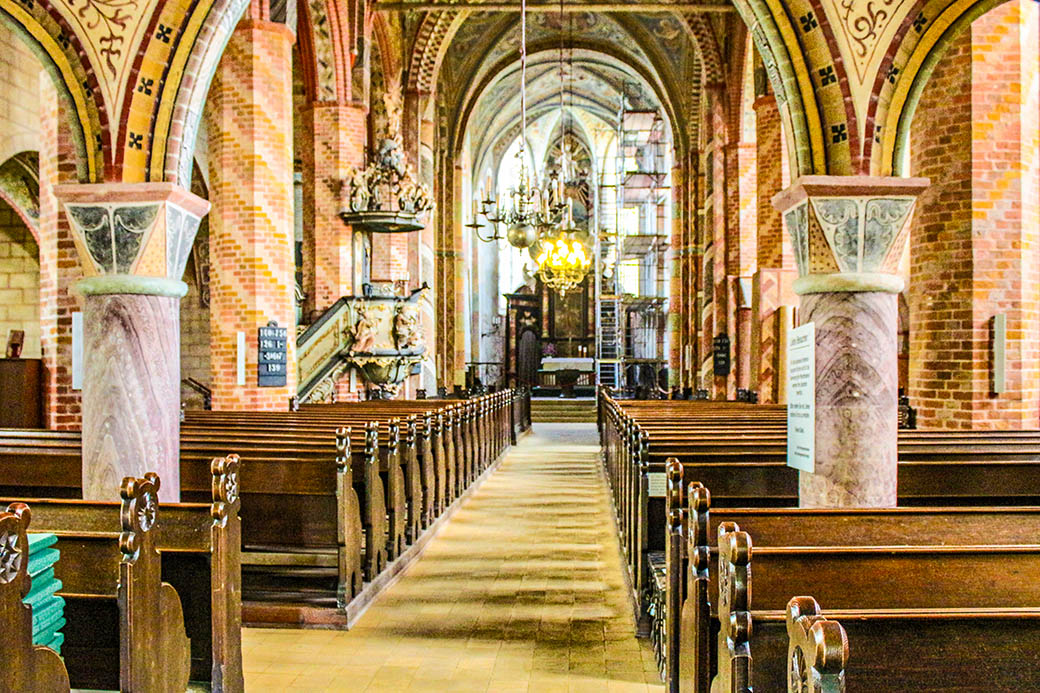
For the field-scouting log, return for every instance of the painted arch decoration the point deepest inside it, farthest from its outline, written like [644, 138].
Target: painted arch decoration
[847, 73]
[134, 73]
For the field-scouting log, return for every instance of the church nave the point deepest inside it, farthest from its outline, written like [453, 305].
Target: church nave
[523, 590]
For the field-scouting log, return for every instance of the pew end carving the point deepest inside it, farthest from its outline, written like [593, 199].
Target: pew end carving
[734, 650]
[350, 534]
[818, 649]
[25, 666]
[674, 549]
[226, 575]
[155, 654]
[375, 521]
[694, 639]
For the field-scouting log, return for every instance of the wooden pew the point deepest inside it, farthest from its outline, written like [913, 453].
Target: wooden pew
[125, 627]
[26, 667]
[318, 509]
[935, 630]
[291, 507]
[199, 548]
[689, 581]
[752, 471]
[817, 649]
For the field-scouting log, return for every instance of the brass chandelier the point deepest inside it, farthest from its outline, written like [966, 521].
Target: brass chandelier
[564, 259]
[532, 208]
[564, 262]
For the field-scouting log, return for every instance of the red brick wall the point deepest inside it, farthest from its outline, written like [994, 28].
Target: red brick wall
[774, 246]
[251, 224]
[776, 270]
[974, 246]
[337, 144]
[390, 256]
[59, 262]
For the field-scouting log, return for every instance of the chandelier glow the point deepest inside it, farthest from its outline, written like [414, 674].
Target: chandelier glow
[563, 262]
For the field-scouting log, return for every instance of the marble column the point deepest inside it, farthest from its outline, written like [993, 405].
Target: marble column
[848, 234]
[133, 241]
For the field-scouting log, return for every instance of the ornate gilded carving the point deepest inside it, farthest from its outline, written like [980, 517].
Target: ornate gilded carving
[388, 183]
[363, 332]
[381, 336]
[407, 333]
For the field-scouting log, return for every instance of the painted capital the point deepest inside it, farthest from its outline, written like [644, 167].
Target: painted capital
[132, 237]
[849, 232]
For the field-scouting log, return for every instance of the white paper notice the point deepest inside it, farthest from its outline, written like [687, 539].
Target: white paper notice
[801, 398]
[658, 484]
[77, 350]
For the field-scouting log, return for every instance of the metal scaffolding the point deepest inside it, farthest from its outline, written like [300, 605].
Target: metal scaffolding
[630, 320]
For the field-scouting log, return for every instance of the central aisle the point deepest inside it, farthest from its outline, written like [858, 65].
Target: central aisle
[522, 591]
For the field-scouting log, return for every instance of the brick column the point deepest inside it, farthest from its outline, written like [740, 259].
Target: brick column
[59, 265]
[678, 308]
[133, 240]
[741, 256]
[249, 115]
[848, 234]
[776, 272]
[337, 145]
[975, 235]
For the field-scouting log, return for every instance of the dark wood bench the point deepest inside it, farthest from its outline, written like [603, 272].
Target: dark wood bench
[26, 667]
[124, 626]
[325, 506]
[917, 618]
[811, 542]
[199, 548]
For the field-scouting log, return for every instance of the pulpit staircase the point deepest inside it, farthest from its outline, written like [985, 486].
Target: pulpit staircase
[321, 347]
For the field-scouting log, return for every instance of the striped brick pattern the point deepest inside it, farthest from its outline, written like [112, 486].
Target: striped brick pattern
[975, 236]
[251, 224]
[337, 145]
[776, 268]
[59, 262]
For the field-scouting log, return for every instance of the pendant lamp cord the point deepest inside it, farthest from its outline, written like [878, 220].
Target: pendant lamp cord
[523, 83]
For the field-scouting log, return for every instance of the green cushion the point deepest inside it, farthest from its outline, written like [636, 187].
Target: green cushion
[49, 611]
[42, 560]
[40, 540]
[43, 585]
[56, 640]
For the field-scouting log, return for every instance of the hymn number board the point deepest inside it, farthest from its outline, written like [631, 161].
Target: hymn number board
[271, 356]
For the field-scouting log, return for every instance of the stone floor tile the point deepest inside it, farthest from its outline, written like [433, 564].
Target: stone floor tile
[523, 590]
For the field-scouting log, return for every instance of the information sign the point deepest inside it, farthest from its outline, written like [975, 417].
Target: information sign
[720, 355]
[271, 355]
[801, 398]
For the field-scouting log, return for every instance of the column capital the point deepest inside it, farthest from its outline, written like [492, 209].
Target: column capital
[140, 232]
[849, 232]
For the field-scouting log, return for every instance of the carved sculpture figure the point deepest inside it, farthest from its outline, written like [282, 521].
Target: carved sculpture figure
[407, 334]
[389, 181]
[364, 330]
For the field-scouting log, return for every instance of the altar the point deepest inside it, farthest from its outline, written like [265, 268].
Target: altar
[566, 372]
